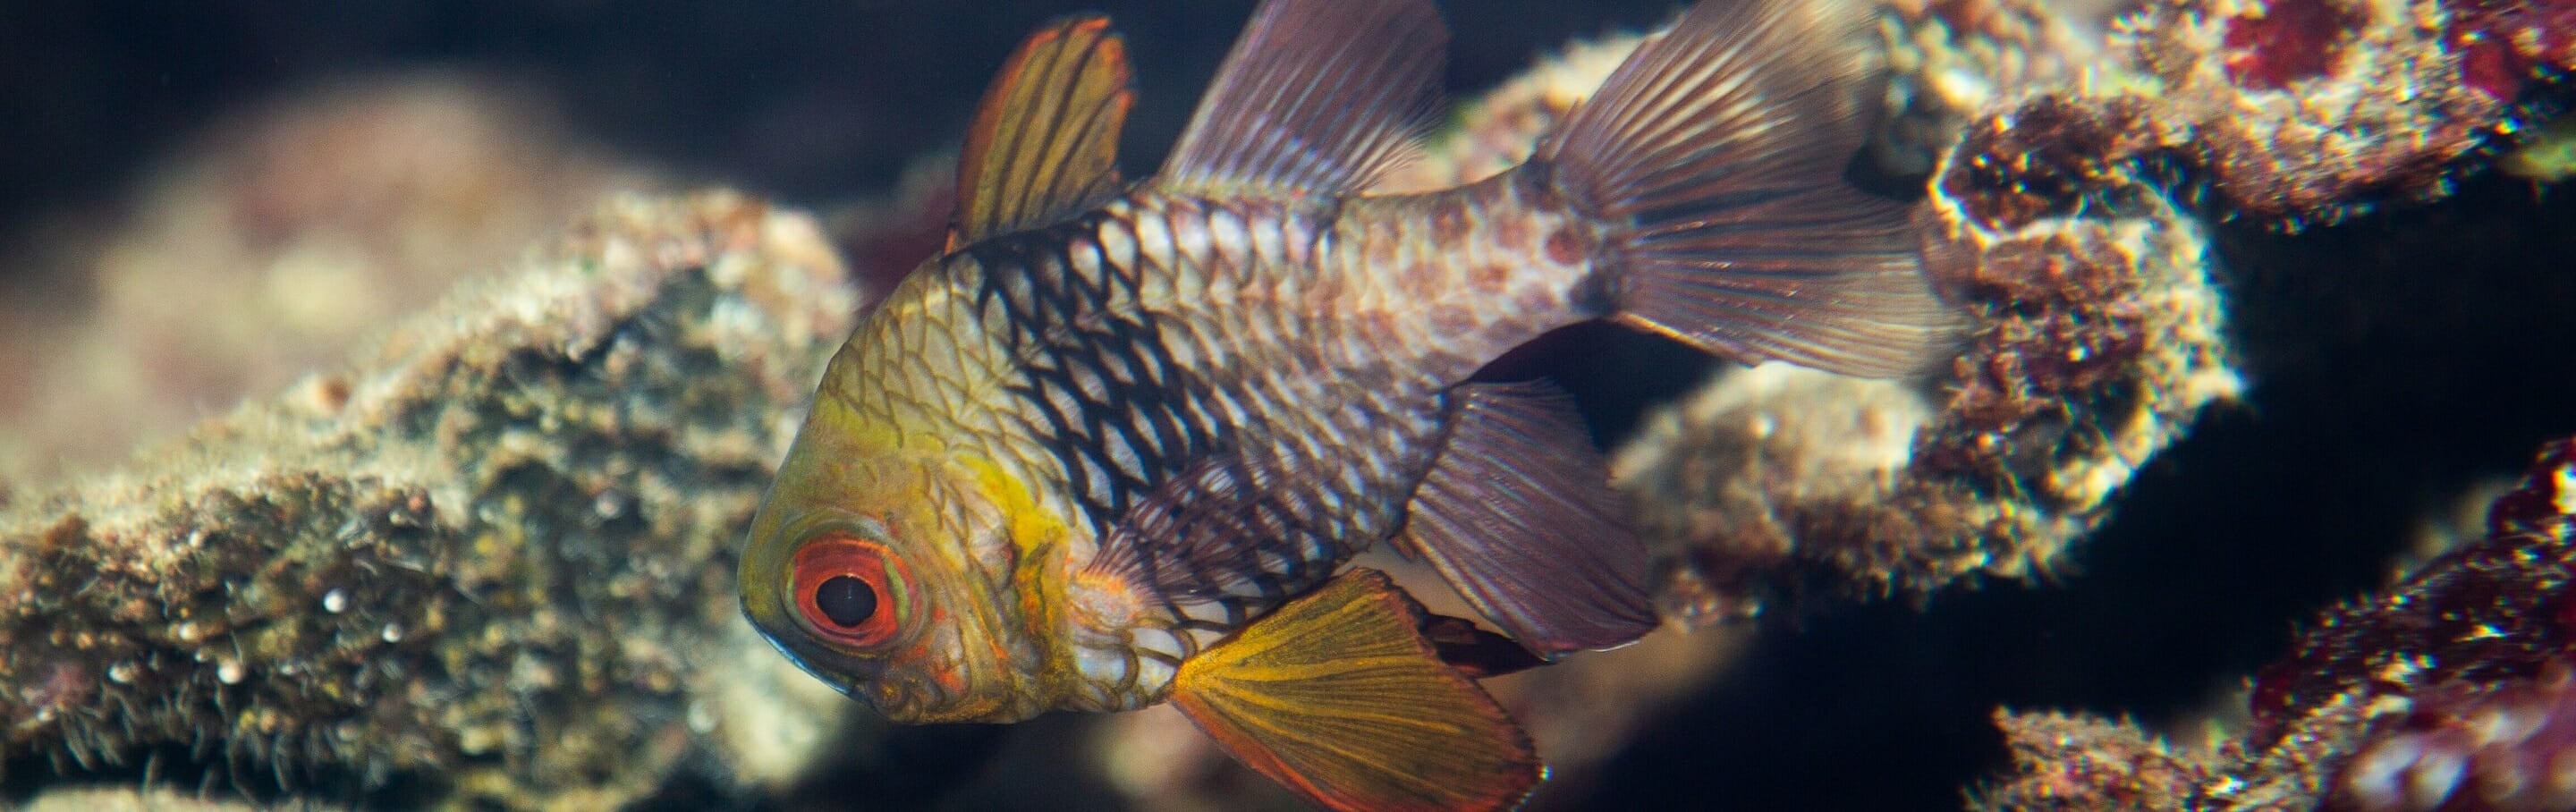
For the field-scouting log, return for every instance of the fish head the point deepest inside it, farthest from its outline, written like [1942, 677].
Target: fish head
[894, 575]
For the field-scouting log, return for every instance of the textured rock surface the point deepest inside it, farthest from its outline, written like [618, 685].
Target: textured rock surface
[2097, 340]
[2309, 109]
[2076, 763]
[2097, 337]
[2451, 689]
[491, 555]
[264, 248]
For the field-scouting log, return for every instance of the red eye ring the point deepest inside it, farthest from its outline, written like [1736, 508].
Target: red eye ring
[847, 591]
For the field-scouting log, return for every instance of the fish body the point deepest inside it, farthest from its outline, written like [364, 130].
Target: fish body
[1115, 444]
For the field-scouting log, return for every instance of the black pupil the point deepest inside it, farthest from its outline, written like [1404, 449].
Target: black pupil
[846, 601]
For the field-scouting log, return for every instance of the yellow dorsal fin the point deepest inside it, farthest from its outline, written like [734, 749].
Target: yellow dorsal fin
[1338, 696]
[1045, 142]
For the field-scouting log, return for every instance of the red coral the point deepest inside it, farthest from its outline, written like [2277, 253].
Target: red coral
[2453, 691]
[2500, 42]
[2470, 747]
[2536, 507]
[2289, 40]
[2493, 610]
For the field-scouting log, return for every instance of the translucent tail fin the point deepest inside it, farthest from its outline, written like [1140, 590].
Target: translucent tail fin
[1716, 154]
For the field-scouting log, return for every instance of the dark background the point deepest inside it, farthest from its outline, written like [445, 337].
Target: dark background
[804, 101]
[2396, 359]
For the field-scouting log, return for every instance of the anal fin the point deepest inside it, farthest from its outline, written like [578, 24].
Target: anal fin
[1518, 515]
[1338, 696]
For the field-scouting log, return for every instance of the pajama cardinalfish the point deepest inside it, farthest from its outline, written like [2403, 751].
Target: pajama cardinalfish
[1114, 445]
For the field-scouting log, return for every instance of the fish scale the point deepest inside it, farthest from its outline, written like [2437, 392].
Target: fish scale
[1115, 443]
[1142, 339]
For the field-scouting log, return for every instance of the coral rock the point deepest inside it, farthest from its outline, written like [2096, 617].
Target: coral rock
[267, 247]
[2076, 763]
[2305, 111]
[2495, 609]
[2501, 43]
[494, 554]
[2454, 689]
[2508, 746]
[2098, 336]
[2285, 41]
[1951, 60]
[2096, 340]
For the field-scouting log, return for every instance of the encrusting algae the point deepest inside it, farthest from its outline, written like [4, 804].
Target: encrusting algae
[2453, 688]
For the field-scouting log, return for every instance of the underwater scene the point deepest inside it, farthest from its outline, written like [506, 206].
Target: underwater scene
[1289, 404]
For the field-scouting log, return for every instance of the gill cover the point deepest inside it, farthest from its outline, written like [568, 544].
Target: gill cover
[859, 565]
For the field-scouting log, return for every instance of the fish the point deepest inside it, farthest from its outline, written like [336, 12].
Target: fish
[1117, 443]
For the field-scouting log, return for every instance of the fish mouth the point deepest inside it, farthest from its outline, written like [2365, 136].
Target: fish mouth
[892, 692]
[903, 700]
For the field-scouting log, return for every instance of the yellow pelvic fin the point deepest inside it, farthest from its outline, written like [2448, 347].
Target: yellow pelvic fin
[1044, 145]
[1337, 696]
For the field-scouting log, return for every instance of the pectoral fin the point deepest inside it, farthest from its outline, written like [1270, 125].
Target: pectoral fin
[1044, 145]
[1338, 696]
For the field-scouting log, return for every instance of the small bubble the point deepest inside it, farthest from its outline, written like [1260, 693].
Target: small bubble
[702, 717]
[121, 673]
[393, 633]
[335, 601]
[229, 671]
[609, 505]
[186, 631]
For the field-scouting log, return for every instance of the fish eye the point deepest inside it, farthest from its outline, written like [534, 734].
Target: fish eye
[846, 601]
[847, 591]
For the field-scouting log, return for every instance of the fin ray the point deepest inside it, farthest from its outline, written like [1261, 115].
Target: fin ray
[1318, 97]
[1717, 152]
[1044, 145]
[1240, 528]
[1518, 515]
[1337, 696]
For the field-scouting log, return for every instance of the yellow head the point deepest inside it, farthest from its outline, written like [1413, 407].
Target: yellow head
[895, 570]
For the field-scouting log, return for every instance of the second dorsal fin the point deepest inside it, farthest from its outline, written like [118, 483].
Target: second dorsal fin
[1318, 97]
[1045, 141]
